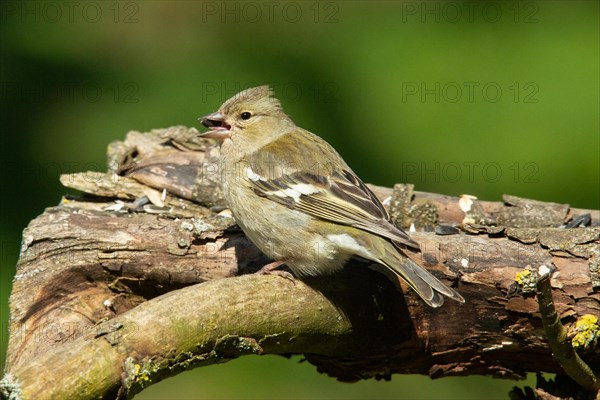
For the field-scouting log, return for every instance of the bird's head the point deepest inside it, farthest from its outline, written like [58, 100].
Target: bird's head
[252, 115]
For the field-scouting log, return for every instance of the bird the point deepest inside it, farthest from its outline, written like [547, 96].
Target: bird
[299, 202]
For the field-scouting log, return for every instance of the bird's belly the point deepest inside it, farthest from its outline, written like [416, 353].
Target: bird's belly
[290, 238]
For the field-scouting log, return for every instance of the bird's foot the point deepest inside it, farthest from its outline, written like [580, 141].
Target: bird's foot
[270, 269]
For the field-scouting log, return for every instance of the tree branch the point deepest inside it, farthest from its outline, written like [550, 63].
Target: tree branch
[112, 294]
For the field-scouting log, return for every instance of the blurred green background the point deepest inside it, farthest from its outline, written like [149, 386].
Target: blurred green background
[483, 98]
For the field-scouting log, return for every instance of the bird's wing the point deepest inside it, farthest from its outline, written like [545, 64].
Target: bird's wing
[341, 198]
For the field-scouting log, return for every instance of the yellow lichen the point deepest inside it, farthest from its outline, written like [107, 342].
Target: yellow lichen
[142, 375]
[522, 277]
[586, 332]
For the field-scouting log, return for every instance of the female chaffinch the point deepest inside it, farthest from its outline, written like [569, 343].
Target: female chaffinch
[299, 202]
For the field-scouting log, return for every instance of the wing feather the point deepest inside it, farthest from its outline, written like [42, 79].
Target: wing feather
[326, 189]
[341, 198]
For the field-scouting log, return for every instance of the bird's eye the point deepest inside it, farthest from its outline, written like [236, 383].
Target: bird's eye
[245, 115]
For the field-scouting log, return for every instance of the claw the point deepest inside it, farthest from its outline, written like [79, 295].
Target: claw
[270, 269]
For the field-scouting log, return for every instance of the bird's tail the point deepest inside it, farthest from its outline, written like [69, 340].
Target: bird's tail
[396, 265]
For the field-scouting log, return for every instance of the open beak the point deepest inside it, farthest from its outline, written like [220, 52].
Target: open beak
[218, 128]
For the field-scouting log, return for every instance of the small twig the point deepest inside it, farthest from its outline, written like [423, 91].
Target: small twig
[556, 334]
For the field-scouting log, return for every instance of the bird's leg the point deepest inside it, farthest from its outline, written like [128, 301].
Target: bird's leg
[270, 269]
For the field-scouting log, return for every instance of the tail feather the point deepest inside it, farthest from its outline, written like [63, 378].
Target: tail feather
[420, 280]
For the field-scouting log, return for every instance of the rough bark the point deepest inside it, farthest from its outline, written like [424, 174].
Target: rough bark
[112, 295]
